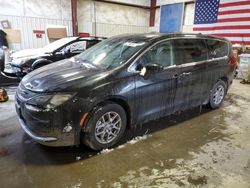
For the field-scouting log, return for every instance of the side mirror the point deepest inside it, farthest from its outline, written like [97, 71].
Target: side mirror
[150, 69]
[154, 68]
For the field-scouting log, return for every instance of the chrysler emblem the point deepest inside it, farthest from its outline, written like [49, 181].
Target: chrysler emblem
[28, 86]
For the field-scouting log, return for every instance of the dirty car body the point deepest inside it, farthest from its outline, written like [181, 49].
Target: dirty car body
[25, 61]
[148, 75]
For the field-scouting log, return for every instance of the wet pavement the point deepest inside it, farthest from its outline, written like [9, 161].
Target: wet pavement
[195, 148]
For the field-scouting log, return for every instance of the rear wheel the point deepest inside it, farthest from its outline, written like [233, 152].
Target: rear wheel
[217, 94]
[106, 127]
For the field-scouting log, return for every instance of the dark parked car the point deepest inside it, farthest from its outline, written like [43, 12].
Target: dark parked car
[120, 82]
[6, 79]
[26, 61]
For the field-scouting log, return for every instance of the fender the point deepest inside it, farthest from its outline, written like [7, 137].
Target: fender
[115, 99]
[41, 61]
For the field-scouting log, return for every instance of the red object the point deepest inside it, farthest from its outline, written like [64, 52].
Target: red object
[152, 13]
[84, 34]
[38, 35]
[39, 31]
[234, 11]
[232, 62]
[224, 19]
[235, 3]
[83, 118]
[74, 17]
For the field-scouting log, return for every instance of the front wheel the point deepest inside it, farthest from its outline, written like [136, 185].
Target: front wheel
[105, 127]
[217, 94]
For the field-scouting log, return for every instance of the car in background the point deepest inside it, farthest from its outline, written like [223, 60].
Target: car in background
[25, 61]
[122, 82]
[6, 78]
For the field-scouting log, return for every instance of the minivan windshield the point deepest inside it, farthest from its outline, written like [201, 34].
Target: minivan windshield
[111, 52]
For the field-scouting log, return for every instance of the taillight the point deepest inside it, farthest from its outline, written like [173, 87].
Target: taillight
[232, 62]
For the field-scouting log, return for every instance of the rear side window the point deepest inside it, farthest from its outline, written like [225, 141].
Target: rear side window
[217, 48]
[189, 50]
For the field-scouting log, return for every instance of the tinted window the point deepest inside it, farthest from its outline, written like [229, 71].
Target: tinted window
[112, 52]
[161, 54]
[189, 50]
[91, 43]
[217, 48]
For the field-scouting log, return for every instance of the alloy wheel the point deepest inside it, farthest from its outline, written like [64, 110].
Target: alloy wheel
[108, 127]
[218, 94]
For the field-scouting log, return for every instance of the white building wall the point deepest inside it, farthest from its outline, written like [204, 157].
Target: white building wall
[29, 15]
[106, 19]
[134, 2]
[188, 19]
[165, 2]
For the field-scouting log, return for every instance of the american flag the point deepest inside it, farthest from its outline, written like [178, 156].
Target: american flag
[224, 18]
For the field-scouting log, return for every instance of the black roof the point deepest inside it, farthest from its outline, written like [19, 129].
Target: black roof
[154, 36]
[91, 38]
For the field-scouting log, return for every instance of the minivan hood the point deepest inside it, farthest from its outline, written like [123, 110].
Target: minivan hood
[59, 76]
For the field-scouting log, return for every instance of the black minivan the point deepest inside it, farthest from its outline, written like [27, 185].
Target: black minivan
[120, 82]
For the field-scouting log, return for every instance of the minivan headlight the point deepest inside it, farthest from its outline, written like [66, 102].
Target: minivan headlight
[57, 100]
[51, 101]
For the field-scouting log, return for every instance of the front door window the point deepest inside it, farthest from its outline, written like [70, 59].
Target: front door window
[161, 54]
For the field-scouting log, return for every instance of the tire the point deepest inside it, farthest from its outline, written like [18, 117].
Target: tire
[101, 133]
[217, 94]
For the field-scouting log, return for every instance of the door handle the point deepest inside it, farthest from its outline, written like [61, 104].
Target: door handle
[180, 76]
[186, 73]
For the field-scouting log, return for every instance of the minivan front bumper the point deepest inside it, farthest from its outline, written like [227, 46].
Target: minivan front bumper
[35, 137]
[44, 128]
[59, 126]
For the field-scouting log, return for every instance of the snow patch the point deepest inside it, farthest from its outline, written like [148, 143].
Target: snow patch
[105, 151]
[138, 138]
[121, 146]
[77, 185]
[78, 158]
[133, 141]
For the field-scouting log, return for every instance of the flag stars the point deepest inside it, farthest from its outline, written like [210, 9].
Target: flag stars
[206, 11]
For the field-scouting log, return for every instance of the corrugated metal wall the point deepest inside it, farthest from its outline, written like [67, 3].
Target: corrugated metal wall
[27, 24]
[106, 19]
[108, 30]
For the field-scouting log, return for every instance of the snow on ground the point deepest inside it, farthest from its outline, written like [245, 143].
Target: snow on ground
[133, 141]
